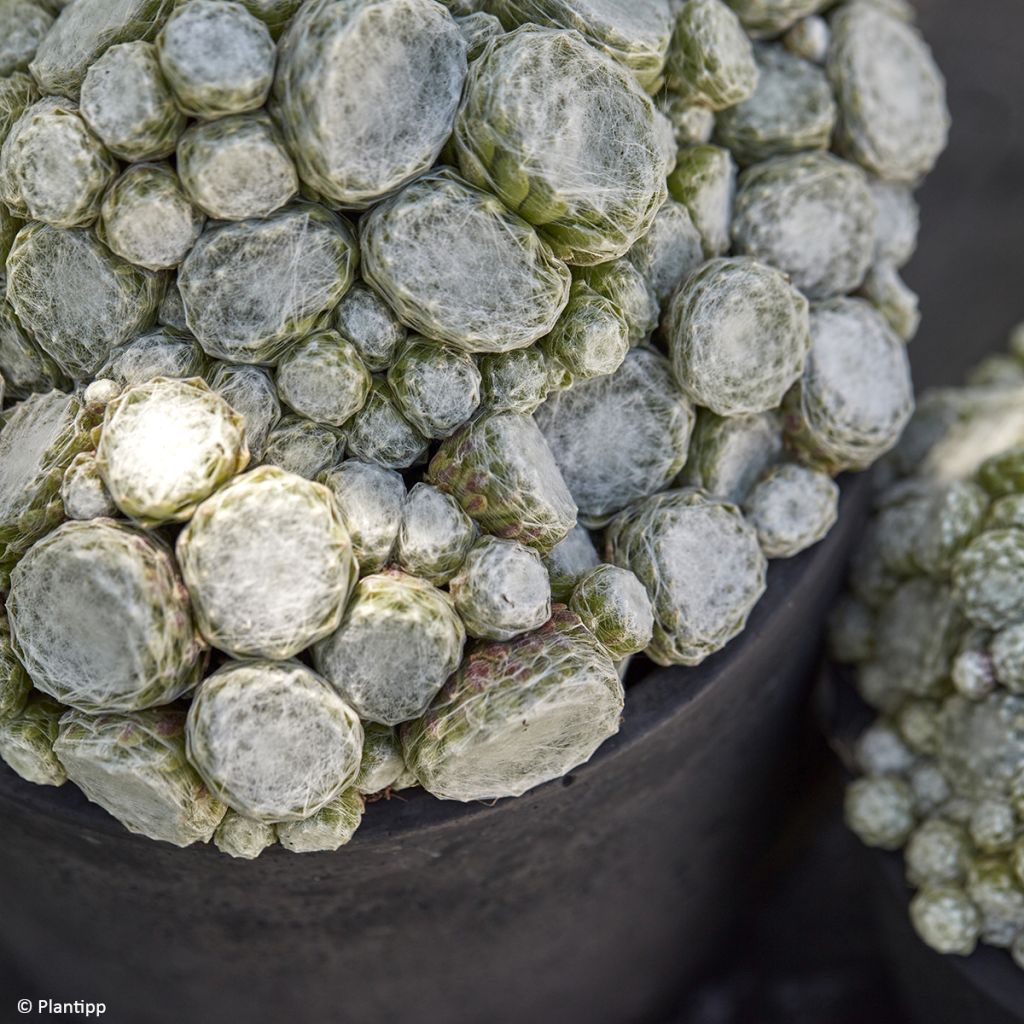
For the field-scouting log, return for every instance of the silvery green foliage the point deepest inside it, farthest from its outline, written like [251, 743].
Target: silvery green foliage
[516, 381]
[15, 684]
[167, 445]
[880, 750]
[273, 740]
[517, 714]
[671, 249]
[171, 312]
[323, 378]
[52, 168]
[77, 298]
[303, 446]
[84, 31]
[937, 853]
[792, 109]
[501, 471]
[157, 353]
[591, 338]
[126, 101]
[40, 437]
[897, 223]
[621, 437]
[458, 267]
[985, 578]
[478, 29]
[792, 507]
[1007, 655]
[881, 811]
[275, 14]
[100, 393]
[997, 371]
[855, 396]
[925, 525]
[692, 124]
[946, 536]
[729, 453]
[83, 492]
[738, 336]
[910, 620]
[622, 284]
[68, 589]
[26, 368]
[147, 219]
[236, 167]
[134, 766]
[267, 524]
[770, 17]
[997, 893]
[250, 391]
[25, 25]
[569, 561]
[242, 837]
[365, 319]
[890, 295]
[437, 388]
[613, 604]
[17, 93]
[993, 826]
[946, 919]
[434, 535]
[704, 181]
[809, 38]
[327, 830]
[380, 433]
[399, 641]
[711, 59]
[812, 216]
[217, 58]
[366, 93]
[501, 590]
[701, 564]
[27, 738]
[544, 125]
[254, 287]
[635, 34]
[370, 499]
[382, 762]
[892, 98]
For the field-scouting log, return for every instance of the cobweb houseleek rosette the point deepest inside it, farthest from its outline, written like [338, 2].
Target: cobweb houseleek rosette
[135, 767]
[71, 586]
[501, 471]
[40, 439]
[517, 714]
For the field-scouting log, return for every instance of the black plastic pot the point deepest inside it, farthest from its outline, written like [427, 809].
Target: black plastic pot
[590, 900]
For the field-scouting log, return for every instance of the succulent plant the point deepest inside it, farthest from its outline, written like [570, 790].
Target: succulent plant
[392, 372]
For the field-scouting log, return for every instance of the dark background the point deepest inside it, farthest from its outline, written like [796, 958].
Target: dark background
[808, 951]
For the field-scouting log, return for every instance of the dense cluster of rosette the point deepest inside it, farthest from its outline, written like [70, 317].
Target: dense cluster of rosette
[379, 376]
[934, 629]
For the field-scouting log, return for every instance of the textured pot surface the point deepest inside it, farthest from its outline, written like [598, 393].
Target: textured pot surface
[592, 899]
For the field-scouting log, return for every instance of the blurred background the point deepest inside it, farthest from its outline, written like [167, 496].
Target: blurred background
[807, 950]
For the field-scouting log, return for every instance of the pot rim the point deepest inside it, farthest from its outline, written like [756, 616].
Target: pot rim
[653, 702]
